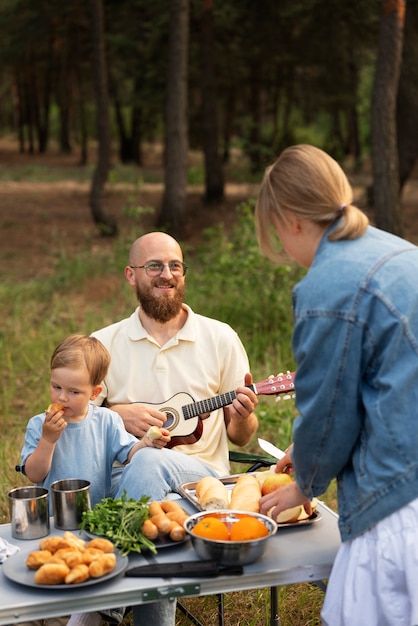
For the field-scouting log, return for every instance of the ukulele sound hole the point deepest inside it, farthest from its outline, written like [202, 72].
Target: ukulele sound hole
[172, 418]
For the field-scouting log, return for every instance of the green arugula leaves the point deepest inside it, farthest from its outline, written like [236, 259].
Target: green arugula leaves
[120, 520]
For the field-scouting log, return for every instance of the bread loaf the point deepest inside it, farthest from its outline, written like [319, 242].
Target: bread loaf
[246, 494]
[211, 494]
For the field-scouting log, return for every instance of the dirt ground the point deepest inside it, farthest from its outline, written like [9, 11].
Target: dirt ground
[37, 219]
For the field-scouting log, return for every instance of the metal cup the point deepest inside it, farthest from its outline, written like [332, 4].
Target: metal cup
[70, 497]
[29, 512]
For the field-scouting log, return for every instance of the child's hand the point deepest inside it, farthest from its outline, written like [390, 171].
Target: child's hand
[158, 437]
[54, 424]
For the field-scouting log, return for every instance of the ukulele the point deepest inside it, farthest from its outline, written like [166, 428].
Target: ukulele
[183, 413]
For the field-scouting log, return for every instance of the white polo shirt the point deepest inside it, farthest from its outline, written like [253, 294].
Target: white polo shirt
[204, 359]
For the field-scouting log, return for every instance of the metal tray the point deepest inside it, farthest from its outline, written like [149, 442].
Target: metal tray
[188, 491]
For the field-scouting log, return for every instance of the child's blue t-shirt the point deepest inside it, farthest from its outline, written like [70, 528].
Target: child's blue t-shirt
[85, 450]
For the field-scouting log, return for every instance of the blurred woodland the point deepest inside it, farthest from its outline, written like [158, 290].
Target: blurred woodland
[214, 75]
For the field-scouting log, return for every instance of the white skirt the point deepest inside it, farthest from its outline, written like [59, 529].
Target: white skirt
[374, 579]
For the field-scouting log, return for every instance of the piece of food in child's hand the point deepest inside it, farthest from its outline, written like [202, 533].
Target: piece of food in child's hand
[153, 433]
[54, 407]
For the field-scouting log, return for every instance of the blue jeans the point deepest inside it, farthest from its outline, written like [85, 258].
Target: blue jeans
[156, 473]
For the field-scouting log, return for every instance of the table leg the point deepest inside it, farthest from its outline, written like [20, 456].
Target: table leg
[274, 606]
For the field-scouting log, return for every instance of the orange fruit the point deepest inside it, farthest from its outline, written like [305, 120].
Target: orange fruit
[211, 528]
[248, 528]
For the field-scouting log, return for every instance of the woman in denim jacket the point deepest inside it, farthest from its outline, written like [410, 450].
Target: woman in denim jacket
[355, 343]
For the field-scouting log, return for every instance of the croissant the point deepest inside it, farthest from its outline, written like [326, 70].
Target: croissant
[71, 556]
[91, 554]
[37, 558]
[51, 574]
[54, 543]
[102, 565]
[101, 544]
[78, 574]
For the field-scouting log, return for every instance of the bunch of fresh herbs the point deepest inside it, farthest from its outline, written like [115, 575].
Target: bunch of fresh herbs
[120, 520]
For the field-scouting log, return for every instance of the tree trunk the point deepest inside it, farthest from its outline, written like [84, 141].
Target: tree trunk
[407, 104]
[213, 167]
[383, 117]
[176, 129]
[106, 225]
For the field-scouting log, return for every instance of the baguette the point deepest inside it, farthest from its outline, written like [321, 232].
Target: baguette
[211, 494]
[246, 494]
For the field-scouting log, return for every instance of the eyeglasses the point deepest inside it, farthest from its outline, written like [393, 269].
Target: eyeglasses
[155, 268]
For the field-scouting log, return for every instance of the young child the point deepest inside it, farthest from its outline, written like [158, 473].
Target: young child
[355, 343]
[74, 438]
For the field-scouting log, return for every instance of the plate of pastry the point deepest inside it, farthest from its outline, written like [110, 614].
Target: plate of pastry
[54, 575]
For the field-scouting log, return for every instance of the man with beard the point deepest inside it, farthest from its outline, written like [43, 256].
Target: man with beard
[164, 349]
[161, 350]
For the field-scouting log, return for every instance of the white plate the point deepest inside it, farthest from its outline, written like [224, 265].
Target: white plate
[15, 569]
[188, 491]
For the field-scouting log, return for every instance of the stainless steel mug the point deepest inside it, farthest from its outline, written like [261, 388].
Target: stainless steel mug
[29, 512]
[70, 497]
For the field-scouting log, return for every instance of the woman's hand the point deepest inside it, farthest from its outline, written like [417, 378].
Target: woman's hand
[285, 464]
[284, 498]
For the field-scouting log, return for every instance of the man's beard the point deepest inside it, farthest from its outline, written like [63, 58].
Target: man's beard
[160, 309]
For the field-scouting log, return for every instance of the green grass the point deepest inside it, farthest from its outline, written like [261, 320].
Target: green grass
[228, 280]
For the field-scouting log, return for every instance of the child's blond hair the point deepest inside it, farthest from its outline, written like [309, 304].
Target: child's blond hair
[79, 350]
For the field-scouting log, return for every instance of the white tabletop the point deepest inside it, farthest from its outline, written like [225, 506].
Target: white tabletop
[294, 555]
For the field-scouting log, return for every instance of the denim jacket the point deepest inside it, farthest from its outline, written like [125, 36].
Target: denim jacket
[355, 343]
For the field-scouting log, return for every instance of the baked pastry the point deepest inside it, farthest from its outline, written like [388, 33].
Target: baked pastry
[78, 574]
[91, 554]
[75, 541]
[71, 556]
[37, 558]
[55, 407]
[246, 494]
[54, 543]
[101, 544]
[51, 574]
[211, 494]
[102, 565]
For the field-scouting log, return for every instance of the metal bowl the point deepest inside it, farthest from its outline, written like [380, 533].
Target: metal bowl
[229, 552]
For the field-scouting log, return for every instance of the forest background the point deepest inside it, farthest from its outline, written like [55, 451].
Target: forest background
[117, 117]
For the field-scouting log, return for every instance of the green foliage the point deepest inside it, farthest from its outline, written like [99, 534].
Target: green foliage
[231, 281]
[120, 520]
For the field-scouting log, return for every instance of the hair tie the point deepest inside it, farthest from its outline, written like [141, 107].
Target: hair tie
[342, 207]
